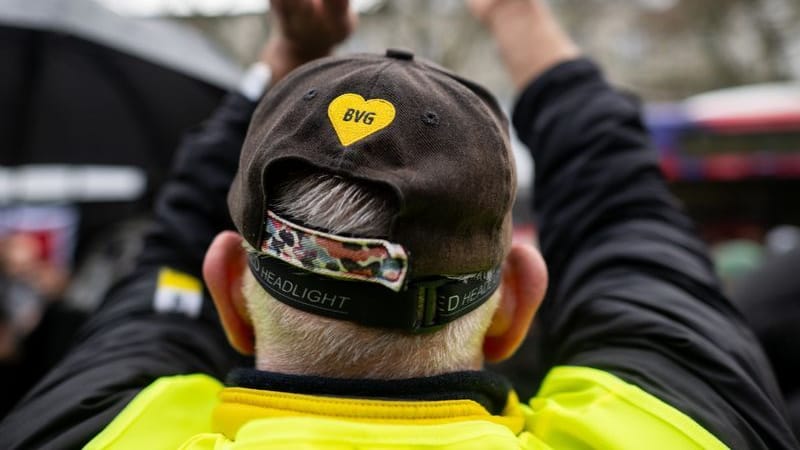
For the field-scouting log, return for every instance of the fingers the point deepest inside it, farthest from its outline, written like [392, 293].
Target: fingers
[338, 12]
[305, 30]
[299, 17]
[288, 11]
[336, 7]
[278, 6]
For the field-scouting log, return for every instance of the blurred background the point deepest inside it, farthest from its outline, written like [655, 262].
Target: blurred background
[720, 78]
[95, 94]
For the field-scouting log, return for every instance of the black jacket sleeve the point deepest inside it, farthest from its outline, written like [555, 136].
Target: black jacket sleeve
[127, 344]
[632, 291]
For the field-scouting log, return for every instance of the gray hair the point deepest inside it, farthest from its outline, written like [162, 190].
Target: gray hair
[292, 341]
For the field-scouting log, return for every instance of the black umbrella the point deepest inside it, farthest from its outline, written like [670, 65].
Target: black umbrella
[81, 85]
[92, 107]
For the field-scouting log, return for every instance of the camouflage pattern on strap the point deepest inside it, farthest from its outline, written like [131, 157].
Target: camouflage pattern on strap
[370, 260]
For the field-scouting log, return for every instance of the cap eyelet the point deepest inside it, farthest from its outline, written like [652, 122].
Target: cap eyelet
[310, 94]
[430, 118]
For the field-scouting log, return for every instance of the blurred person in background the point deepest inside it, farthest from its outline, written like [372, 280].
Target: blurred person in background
[641, 350]
[92, 107]
[36, 325]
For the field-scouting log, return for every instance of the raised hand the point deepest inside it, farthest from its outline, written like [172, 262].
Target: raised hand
[528, 36]
[305, 30]
[483, 9]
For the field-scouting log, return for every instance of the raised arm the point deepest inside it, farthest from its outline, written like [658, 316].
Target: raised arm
[159, 321]
[632, 291]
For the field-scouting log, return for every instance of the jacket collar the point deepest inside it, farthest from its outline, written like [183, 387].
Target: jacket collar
[458, 396]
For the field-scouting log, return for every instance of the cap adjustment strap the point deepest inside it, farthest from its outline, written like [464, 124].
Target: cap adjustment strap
[422, 306]
[371, 260]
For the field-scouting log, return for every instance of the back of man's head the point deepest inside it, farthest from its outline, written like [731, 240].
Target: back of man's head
[374, 194]
[290, 340]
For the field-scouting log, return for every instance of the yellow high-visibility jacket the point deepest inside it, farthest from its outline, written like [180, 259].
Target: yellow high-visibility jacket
[576, 408]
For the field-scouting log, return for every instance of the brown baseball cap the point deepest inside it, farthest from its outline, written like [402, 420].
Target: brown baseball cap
[437, 141]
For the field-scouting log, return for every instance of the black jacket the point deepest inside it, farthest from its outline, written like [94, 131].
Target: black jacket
[632, 291]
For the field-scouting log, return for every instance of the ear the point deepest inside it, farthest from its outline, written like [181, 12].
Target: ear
[223, 267]
[521, 292]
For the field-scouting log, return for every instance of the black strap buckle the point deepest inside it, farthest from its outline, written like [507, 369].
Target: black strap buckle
[428, 301]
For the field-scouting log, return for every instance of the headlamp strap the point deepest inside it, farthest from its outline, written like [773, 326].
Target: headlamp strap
[424, 305]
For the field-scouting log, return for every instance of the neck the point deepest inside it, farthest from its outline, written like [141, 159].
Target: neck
[327, 362]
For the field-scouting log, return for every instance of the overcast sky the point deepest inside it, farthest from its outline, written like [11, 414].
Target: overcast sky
[149, 8]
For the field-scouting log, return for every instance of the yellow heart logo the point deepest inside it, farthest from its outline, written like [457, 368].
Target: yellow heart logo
[354, 118]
